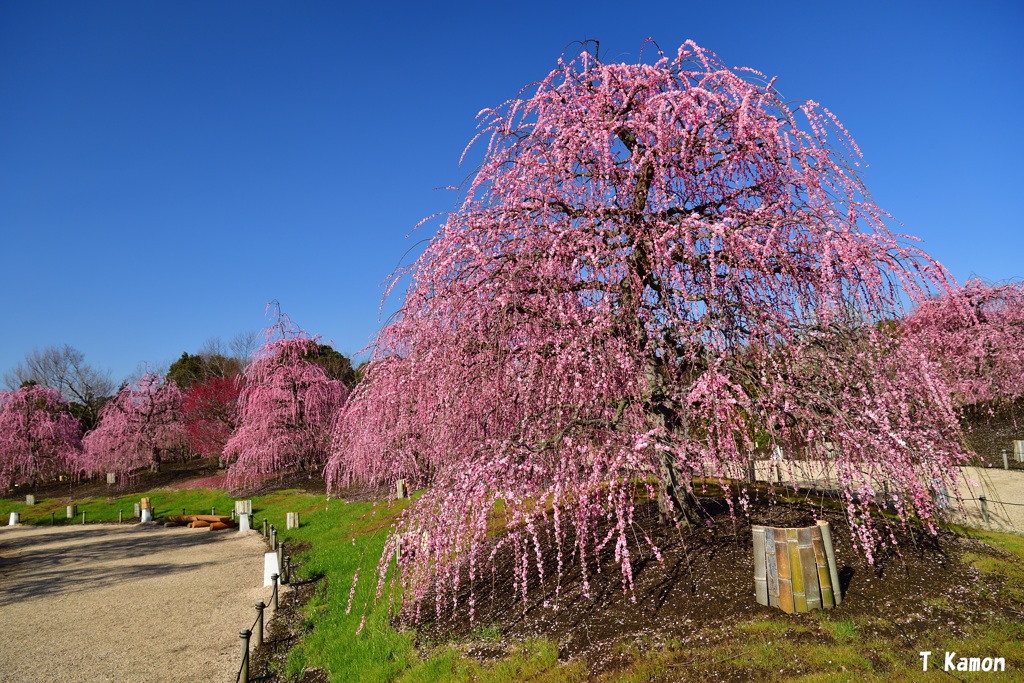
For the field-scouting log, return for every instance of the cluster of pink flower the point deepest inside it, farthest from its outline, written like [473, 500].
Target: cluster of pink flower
[655, 272]
[278, 416]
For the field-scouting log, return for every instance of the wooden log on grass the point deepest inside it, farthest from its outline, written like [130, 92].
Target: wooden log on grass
[219, 526]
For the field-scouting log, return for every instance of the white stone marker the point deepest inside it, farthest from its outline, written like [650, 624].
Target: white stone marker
[15, 519]
[270, 566]
[243, 523]
[147, 514]
[292, 520]
[243, 507]
[30, 499]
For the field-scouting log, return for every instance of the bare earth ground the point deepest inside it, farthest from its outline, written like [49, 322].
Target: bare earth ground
[136, 603]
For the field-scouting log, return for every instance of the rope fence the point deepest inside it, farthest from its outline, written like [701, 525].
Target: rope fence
[254, 633]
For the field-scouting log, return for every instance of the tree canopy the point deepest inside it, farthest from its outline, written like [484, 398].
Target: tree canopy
[286, 408]
[976, 337]
[140, 426]
[39, 438]
[209, 412]
[657, 267]
[64, 369]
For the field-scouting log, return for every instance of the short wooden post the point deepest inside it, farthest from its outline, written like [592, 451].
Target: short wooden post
[266, 534]
[243, 676]
[280, 561]
[287, 569]
[83, 516]
[273, 579]
[1006, 459]
[259, 624]
[53, 518]
[120, 516]
[273, 537]
[984, 506]
[752, 471]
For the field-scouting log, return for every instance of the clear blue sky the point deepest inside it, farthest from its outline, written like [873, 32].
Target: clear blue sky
[167, 168]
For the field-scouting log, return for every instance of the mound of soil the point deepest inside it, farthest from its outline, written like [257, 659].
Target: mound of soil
[704, 586]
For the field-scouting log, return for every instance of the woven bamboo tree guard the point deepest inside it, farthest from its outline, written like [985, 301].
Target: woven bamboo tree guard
[795, 568]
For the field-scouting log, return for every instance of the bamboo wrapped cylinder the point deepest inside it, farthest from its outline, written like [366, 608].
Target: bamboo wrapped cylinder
[795, 569]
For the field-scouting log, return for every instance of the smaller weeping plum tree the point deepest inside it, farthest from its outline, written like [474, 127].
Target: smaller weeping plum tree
[657, 268]
[39, 438]
[286, 409]
[210, 413]
[140, 426]
[976, 337]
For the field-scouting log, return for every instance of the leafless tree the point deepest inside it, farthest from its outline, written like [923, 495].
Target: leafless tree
[64, 368]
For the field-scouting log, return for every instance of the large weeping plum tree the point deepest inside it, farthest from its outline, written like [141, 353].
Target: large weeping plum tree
[656, 269]
[976, 336]
[140, 426]
[286, 409]
[39, 438]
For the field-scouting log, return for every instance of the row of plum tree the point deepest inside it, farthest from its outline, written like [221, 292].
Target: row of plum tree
[262, 417]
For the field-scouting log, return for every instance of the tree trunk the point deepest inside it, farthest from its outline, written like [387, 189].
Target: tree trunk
[676, 502]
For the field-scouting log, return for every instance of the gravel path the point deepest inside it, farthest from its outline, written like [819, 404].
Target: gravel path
[126, 603]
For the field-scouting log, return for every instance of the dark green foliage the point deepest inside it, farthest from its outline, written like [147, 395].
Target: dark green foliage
[190, 369]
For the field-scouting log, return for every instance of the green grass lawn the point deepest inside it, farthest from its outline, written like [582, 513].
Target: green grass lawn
[343, 537]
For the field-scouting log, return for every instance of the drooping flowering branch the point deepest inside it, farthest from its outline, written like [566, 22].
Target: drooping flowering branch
[976, 336]
[38, 436]
[286, 409]
[139, 427]
[657, 268]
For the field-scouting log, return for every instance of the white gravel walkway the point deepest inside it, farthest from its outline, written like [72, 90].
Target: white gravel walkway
[126, 603]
